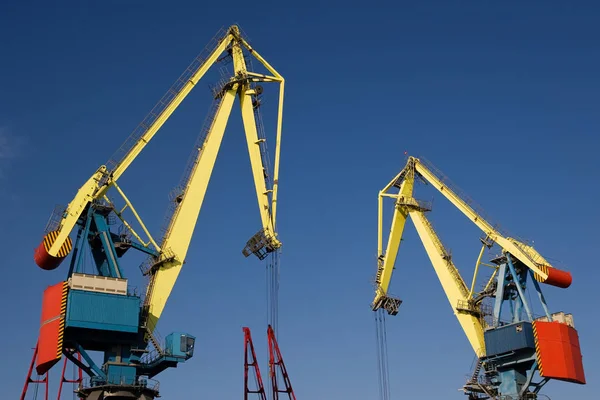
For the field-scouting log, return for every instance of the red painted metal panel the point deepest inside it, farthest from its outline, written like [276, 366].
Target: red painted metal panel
[558, 352]
[45, 260]
[576, 354]
[41, 256]
[52, 327]
[561, 279]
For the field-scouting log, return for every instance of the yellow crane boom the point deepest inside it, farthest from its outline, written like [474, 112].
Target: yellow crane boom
[103, 179]
[165, 268]
[544, 272]
[177, 238]
[453, 284]
[462, 299]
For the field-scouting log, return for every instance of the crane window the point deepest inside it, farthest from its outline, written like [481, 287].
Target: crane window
[187, 344]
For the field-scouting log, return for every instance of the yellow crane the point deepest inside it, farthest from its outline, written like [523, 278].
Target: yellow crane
[507, 372]
[88, 213]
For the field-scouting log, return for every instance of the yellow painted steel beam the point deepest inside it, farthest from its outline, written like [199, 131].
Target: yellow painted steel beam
[387, 261]
[177, 239]
[455, 288]
[278, 76]
[525, 254]
[277, 152]
[127, 224]
[162, 118]
[260, 58]
[91, 190]
[263, 77]
[137, 217]
[383, 193]
[75, 208]
[477, 264]
[183, 222]
[491, 280]
[258, 169]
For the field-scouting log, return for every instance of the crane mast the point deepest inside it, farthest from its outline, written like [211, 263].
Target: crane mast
[98, 311]
[510, 350]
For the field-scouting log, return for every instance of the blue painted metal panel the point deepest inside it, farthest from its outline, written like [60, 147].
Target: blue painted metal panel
[78, 266]
[513, 337]
[121, 374]
[118, 354]
[105, 256]
[102, 311]
[511, 381]
[90, 361]
[180, 345]
[138, 246]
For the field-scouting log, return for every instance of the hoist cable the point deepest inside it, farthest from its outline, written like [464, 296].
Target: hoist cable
[382, 359]
[273, 290]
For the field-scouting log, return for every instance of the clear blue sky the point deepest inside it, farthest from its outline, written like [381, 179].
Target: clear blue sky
[502, 97]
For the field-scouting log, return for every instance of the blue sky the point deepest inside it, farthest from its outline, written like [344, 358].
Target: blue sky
[501, 97]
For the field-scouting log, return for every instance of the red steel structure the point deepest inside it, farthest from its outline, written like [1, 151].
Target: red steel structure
[44, 379]
[276, 365]
[558, 351]
[276, 361]
[249, 353]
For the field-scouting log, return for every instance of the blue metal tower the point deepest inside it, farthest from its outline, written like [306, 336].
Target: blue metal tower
[516, 341]
[102, 314]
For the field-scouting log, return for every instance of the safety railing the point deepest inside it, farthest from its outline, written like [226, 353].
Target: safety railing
[478, 210]
[156, 350]
[461, 194]
[151, 356]
[166, 100]
[55, 218]
[411, 202]
[446, 256]
[179, 191]
[148, 266]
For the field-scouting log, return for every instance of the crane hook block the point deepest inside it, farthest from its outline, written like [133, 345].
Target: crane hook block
[42, 255]
[556, 277]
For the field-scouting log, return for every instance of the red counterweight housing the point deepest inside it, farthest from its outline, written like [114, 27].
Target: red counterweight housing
[42, 257]
[558, 351]
[52, 327]
[556, 277]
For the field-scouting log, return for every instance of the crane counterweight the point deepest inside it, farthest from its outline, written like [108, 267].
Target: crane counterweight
[42, 255]
[554, 277]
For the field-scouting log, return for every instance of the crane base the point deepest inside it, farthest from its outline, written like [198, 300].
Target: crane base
[117, 392]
